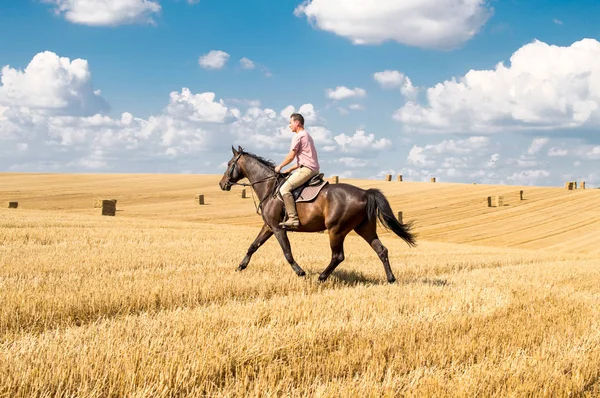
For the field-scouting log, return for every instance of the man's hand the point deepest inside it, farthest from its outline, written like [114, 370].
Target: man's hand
[277, 169]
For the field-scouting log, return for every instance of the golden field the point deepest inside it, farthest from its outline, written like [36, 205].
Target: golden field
[499, 301]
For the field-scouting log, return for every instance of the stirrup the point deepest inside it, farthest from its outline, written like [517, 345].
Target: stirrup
[290, 224]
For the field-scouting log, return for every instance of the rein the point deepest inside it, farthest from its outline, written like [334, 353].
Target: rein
[252, 184]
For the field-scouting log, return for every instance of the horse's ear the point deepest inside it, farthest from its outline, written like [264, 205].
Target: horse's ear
[234, 151]
[240, 149]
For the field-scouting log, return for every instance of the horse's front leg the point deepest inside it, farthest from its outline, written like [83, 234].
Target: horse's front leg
[284, 242]
[265, 233]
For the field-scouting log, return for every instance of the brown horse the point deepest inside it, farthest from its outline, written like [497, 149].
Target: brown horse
[339, 208]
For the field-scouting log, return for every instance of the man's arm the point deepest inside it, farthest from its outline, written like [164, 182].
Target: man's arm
[288, 159]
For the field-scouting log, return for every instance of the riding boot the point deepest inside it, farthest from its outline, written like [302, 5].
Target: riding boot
[290, 207]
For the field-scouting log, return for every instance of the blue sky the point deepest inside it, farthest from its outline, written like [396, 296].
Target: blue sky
[409, 87]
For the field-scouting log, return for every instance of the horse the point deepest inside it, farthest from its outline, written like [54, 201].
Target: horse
[338, 208]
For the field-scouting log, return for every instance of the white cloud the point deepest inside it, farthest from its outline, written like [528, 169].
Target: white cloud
[558, 152]
[418, 158]
[389, 78]
[343, 92]
[360, 142]
[356, 107]
[215, 59]
[529, 177]
[53, 84]
[196, 107]
[536, 145]
[493, 160]
[465, 153]
[422, 23]
[353, 163]
[557, 21]
[545, 87]
[106, 12]
[307, 111]
[247, 63]
[593, 153]
[409, 91]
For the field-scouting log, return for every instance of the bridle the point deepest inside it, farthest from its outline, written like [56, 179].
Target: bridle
[252, 184]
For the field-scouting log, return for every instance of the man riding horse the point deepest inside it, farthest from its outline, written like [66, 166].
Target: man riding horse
[307, 166]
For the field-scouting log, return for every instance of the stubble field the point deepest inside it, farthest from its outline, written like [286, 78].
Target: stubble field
[494, 301]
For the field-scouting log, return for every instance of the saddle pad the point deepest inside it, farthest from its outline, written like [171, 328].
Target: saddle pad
[309, 193]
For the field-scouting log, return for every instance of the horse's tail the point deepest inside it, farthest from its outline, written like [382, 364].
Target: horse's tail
[379, 207]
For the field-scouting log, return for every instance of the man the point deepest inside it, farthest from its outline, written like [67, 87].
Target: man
[307, 166]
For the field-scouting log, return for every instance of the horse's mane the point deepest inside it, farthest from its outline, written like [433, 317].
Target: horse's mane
[267, 162]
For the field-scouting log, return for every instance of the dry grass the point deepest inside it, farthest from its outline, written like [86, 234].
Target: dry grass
[147, 303]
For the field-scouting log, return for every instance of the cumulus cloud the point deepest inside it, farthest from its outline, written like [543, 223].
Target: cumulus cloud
[247, 63]
[537, 145]
[196, 107]
[529, 177]
[409, 91]
[389, 78]
[307, 111]
[343, 92]
[558, 152]
[545, 87]
[360, 142]
[106, 12]
[421, 23]
[215, 59]
[352, 163]
[53, 84]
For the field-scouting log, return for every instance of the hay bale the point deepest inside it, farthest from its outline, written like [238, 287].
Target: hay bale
[200, 199]
[498, 201]
[400, 217]
[569, 185]
[243, 193]
[488, 202]
[335, 179]
[432, 179]
[582, 185]
[98, 203]
[520, 195]
[399, 177]
[388, 177]
[13, 205]
[109, 207]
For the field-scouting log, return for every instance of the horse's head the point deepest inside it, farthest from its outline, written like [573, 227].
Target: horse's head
[234, 172]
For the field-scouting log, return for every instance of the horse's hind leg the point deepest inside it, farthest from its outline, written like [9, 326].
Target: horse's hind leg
[336, 241]
[284, 242]
[265, 233]
[368, 230]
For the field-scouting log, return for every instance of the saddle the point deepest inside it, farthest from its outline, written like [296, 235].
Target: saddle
[309, 190]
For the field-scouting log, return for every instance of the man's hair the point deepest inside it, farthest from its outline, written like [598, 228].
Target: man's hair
[298, 117]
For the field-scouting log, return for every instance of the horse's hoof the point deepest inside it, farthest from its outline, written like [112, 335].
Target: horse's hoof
[301, 273]
[392, 280]
[323, 278]
[240, 268]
